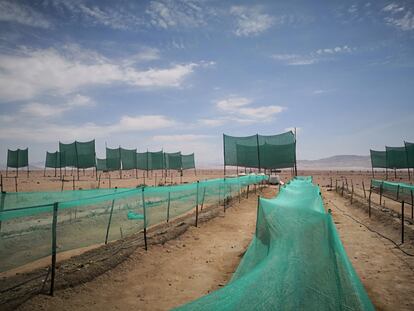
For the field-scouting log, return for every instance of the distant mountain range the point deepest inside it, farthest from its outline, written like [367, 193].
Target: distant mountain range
[337, 162]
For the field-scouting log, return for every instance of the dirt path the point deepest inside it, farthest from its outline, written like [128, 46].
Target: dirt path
[387, 274]
[199, 261]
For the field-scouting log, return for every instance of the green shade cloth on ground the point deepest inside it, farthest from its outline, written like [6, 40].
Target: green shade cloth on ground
[295, 261]
[18, 158]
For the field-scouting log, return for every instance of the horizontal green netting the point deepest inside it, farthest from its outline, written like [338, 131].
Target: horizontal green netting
[18, 158]
[409, 148]
[113, 159]
[129, 158]
[53, 159]
[187, 161]
[260, 151]
[396, 157]
[378, 159]
[83, 215]
[173, 160]
[295, 261]
[396, 191]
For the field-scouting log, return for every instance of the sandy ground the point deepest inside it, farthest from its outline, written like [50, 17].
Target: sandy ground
[204, 258]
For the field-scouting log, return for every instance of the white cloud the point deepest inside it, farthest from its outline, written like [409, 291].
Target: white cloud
[250, 21]
[145, 55]
[295, 59]
[50, 132]
[240, 109]
[170, 14]
[29, 73]
[311, 58]
[12, 11]
[399, 17]
[318, 92]
[36, 109]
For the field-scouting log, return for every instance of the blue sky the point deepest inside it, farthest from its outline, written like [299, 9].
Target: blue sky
[177, 74]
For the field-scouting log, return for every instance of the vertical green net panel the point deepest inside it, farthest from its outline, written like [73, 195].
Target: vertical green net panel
[12, 158]
[409, 149]
[129, 158]
[51, 159]
[396, 157]
[142, 161]
[378, 159]
[113, 159]
[241, 151]
[101, 165]
[68, 154]
[173, 160]
[277, 151]
[187, 161]
[18, 158]
[156, 160]
[85, 154]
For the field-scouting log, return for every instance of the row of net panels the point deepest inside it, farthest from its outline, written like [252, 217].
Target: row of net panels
[394, 157]
[260, 151]
[394, 190]
[296, 260]
[89, 217]
[120, 158]
[18, 158]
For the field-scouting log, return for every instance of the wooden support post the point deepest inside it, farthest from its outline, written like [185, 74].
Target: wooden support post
[363, 188]
[381, 189]
[99, 180]
[336, 185]
[196, 220]
[352, 192]
[398, 192]
[412, 204]
[73, 182]
[63, 181]
[247, 193]
[109, 222]
[145, 218]
[342, 193]
[331, 183]
[204, 195]
[369, 202]
[15, 183]
[109, 174]
[168, 206]
[257, 214]
[402, 222]
[1, 182]
[54, 244]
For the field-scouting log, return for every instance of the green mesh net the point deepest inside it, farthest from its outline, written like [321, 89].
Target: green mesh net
[87, 217]
[295, 261]
[142, 160]
[129, 158]
[113, 159]
[396, 157]
[187, 161]
[156, 160]
[18, 158]
[68, 154]
[101, 165]
[260, 151]
[394, 190]
[378, 159]
[409, 149]
[53, 159]
[173, 160]
[85, 152]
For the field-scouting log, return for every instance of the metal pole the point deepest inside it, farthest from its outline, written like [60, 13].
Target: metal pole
[54, 225]
[109, 222]
[145, 219]
[402, 222]
[224, 154]
[196, 220]
[1, 181]
[257, 213]
[381, 189]
[204, 195]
